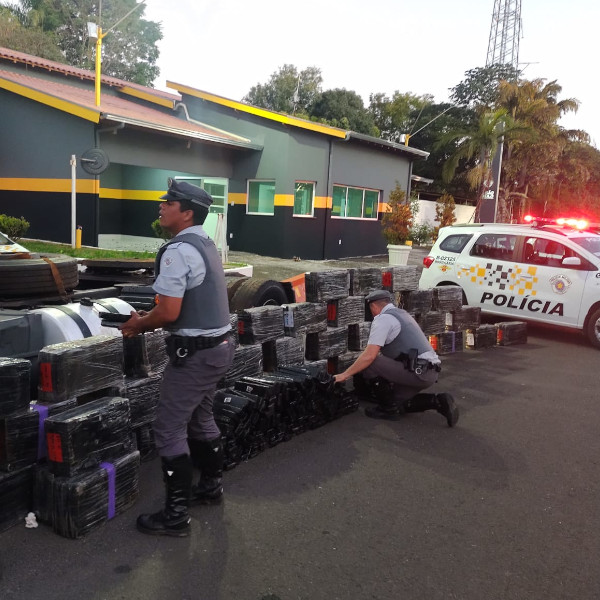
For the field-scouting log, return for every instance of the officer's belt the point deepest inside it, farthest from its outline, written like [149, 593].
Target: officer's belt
[420, 363]
[198, 342]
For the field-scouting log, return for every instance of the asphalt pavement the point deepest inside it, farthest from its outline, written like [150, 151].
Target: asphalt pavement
[503, 506]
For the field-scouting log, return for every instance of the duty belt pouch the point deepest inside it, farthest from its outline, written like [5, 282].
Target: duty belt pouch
[411, 361]
[179, 348]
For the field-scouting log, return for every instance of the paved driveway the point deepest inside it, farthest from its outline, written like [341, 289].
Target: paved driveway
[504, 506]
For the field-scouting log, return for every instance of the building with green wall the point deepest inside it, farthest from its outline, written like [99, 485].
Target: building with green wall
[283, 186]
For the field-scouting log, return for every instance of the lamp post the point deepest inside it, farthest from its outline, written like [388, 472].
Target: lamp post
[99, 37]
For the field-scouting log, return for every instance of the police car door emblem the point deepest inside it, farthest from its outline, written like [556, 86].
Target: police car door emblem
[560, 283]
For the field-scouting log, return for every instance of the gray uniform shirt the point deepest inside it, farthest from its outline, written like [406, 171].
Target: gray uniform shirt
[386, 327]
[182, 268]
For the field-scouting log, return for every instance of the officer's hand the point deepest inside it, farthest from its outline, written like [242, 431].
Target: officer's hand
[132, 327]
[341, 377]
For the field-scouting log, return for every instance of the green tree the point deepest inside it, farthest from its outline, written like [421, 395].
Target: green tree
[397, 115]
[345, 109]
[288, 90]
[34, 41]
[479, 89]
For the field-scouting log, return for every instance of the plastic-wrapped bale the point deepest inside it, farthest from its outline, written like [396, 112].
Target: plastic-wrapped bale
[85, 436]
[365, 280]
[346, 359]
[144, 437]
[300, 318]
[14, 385]
[79, 504]
[485, 336]
[322, 286]
[233, 320]
[325, 344]
[70, 369]
[289, 351]
[247, 361]
[16, 497]
[450, 342]
[468, 317]
[417, 301]
[156, 349]
[143, 394]
[447, 298]
[400, 278]
[316, 365]
[135, 356]
[511, 332]
[432, 323]
[22, 440]
[358, 335]
[260, 324]
[346, 311]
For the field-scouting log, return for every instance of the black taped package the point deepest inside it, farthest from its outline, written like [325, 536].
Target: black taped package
[15, 374]
[326, 344]
[76, 505]
[346, 311]
[358, 335]
[450, 342]
[136, 362]
[71, 369]
[403, 278]
[247, 361]
[290, 351]
[432, 322]
[260, 324]
[143, 394]
[485, 336]
[85, 436]
[304, 317]
[22, 440]
[447, 298]
[144, 437]
[365, 280]
[322, 286]
[417, 301]
[16, 497]
[156, 349]
[468, 317]
[511, 332]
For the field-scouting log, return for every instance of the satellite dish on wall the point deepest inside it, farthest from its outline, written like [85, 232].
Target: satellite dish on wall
[94, 161]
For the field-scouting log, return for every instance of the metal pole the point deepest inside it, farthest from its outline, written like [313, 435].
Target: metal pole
[73, 163]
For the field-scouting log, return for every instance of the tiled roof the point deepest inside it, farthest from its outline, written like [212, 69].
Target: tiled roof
[51, 65]
[81, 102]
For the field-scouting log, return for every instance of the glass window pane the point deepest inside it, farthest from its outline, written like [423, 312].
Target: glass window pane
[371, 202]
[339, 201]
[261, 197]
[217, 191]
[355, 201]
[303, 198]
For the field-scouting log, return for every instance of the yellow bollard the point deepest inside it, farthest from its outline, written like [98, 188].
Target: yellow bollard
[78, 237]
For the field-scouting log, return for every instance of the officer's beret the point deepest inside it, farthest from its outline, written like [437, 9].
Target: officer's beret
[181, 190]
[379, 295]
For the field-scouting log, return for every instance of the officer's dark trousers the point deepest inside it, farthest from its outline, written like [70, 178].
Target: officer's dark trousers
[186, 400]
[407, 384]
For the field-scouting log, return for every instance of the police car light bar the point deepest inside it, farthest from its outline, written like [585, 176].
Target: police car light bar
[565, 222]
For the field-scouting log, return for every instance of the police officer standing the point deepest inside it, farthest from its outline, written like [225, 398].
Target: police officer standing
[400, 361]
[193, 308]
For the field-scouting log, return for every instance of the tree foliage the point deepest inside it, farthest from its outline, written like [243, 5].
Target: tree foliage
[129, 50]
[398, 115]
[479, 89]
[345, 109]
[397, 220]
[34, 41]
[445, 210]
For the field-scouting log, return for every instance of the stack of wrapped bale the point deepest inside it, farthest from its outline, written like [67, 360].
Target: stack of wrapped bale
[346, 313]
[446, 301]
[484, 336]
[364, 280]
[92, 469]
[511, 332]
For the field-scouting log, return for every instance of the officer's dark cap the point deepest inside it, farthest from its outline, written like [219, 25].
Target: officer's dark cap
[181, 190]
[379, 295]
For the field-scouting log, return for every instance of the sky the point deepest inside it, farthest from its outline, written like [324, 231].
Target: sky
[368, 46]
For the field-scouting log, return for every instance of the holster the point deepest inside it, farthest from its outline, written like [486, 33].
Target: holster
[409, 359]
[179, 348]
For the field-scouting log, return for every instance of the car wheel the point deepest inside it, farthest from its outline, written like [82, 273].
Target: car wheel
[592, 329]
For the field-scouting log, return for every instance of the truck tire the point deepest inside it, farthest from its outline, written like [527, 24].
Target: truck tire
[33, 276]
[592, 328]
[258, 292]
[233, 285]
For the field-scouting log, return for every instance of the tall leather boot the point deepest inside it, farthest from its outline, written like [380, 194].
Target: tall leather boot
[388, 407]
[208, 457]
[442, 403]
[173, 519]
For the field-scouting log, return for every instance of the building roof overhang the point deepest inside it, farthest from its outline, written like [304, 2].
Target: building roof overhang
[408, 151]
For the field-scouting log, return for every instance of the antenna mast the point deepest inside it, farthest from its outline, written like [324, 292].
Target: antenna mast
[505, 34]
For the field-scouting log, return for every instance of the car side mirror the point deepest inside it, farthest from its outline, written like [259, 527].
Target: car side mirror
[571, 261]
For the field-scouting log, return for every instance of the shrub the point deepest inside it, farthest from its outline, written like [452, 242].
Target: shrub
[159, 231]
[422, 233]
[398, 219]
[444, 210]
[15, 228]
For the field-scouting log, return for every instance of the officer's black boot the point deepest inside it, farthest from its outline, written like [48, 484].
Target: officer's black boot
[208, 457]
[442, 403]
[388, 407]
[362, 388]
[173, 519]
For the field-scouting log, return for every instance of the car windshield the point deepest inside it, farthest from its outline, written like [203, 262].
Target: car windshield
[591, 244]
[5, 240]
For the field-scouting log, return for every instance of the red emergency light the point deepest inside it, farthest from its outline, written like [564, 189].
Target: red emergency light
[564, 221]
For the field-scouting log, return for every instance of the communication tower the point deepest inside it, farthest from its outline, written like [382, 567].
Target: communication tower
[505, 33]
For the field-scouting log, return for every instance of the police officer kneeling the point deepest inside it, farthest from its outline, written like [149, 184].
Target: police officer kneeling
[193, 308]
[400, 362]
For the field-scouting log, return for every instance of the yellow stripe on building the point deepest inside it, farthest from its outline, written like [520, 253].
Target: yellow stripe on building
[84, 186]
[237, 198]
[323, 202]
[284, 200]
[151, 195]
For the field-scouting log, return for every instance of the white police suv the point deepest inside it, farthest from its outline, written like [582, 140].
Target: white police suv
[547, 271]
[8, 247]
